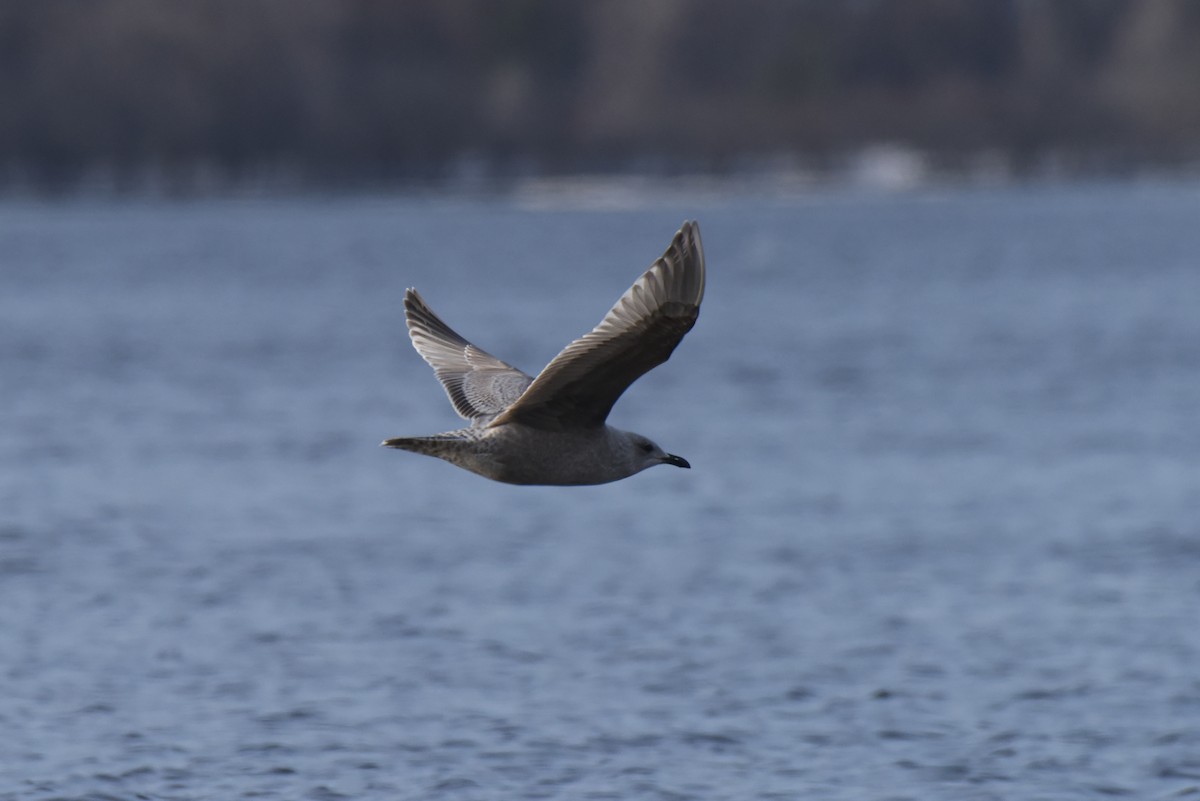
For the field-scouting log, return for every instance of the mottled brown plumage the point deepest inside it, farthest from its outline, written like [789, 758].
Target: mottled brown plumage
[551, 429]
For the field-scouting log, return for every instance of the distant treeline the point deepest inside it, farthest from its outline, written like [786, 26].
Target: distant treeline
[390, 90]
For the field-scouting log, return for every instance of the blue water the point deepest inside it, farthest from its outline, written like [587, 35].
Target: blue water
[940, 540]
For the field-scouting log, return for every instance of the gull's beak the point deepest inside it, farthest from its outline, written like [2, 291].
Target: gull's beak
[678, 461]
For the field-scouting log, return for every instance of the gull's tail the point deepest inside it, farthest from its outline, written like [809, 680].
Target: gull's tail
[440, 445]
[428, 445]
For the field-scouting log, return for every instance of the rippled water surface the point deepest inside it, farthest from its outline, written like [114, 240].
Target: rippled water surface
[940, 540]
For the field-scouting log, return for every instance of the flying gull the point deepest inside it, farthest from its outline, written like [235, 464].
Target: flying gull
[551, 429]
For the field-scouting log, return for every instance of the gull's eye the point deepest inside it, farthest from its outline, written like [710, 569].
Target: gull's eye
[646, 447]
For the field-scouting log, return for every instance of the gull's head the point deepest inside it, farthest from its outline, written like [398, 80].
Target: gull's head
[647, 454]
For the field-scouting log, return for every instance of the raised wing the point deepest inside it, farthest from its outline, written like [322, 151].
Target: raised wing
[581, 384]
[479, 384]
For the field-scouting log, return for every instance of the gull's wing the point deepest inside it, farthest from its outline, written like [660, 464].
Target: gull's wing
[579, 387]
[479, 384]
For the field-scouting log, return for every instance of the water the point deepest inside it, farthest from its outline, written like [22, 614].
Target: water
[939, 541]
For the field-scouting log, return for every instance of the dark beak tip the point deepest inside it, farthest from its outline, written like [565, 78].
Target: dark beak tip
[678, 461]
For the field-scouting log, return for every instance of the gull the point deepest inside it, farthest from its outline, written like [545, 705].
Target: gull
[551, 429]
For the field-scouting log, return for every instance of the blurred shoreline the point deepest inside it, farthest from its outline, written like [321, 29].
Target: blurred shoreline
[886, 168]
[234, 97]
